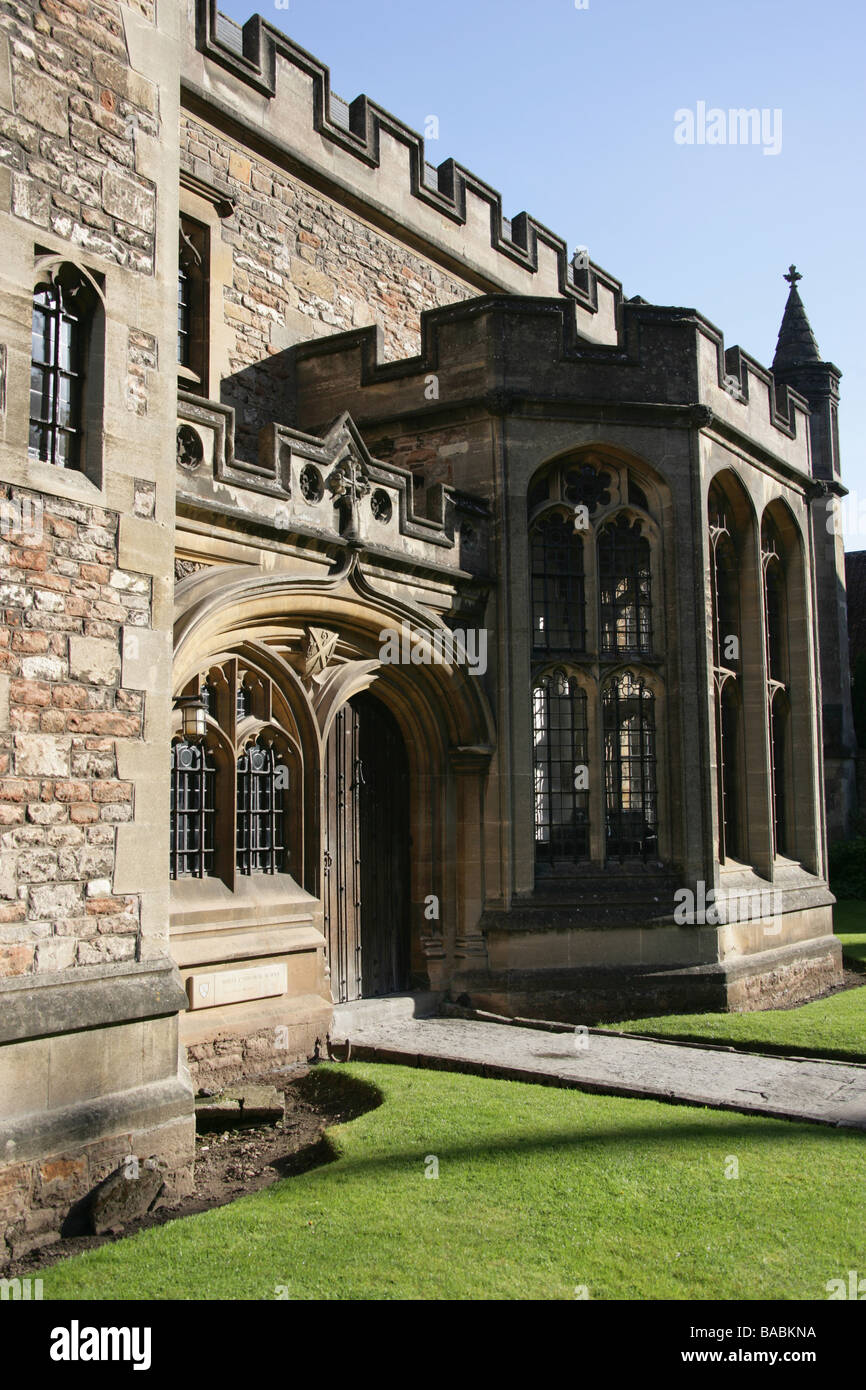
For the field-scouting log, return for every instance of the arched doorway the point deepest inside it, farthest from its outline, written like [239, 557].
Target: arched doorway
[366, 852]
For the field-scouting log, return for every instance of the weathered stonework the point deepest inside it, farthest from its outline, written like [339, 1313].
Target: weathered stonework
[300, 265]
[142, 360]
[385, 376]
[70, 141]
[84, 592]
[65, 604]
[42, 1201]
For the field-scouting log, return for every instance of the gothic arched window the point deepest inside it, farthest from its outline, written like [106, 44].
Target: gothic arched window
[593, 537]
[628, 718]
[558, 595]
[192, 813]
[560, 768]
[725, 600]
[728, 772]
[261, 779]
[625, 588]
[779, 718]
[64, 305]
[253, 811]
[776, 658]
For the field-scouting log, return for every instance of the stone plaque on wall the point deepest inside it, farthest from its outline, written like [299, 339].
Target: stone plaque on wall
[205, 991]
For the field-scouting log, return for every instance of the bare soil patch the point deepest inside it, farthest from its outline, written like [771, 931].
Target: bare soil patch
[232, 1162]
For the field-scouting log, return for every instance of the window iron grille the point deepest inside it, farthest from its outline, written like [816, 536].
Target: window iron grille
[561, 760]
[192, 810]
[192, 309]
[728, 735]
[184, 315]
[61, 309]
[778, 748]
[625, 589]
[628, 721]
[558, 587]
[260, 811]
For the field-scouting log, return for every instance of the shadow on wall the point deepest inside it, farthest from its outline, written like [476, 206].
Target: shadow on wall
[261, 394]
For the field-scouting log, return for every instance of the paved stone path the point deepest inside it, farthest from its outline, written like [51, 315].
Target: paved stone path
[832, 1093]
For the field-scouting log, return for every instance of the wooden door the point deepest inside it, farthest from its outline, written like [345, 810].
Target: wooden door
[366, 858]
[342, 881]
[383, 794]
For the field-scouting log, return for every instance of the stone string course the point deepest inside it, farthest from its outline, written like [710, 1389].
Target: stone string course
[70, 143]
[63, 604]
[294, 253]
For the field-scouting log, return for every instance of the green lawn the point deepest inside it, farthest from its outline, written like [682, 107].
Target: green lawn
[832, 1027]
[540, 1192]
[849, 924]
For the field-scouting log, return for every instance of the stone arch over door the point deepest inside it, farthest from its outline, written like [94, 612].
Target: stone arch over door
[440, 709]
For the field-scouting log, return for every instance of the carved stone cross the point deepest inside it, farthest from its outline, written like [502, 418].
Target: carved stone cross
[348, 485]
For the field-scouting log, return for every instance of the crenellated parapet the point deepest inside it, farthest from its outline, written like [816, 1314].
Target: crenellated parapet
[507, 353]
[322, 491]
[376, 162]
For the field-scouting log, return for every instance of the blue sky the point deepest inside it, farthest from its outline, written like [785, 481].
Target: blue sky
[570, 113]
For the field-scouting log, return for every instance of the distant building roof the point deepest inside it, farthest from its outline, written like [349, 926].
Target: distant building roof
[855, 580]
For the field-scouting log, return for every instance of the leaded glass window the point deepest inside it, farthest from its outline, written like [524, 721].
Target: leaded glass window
[192, 304]
[628, 718]
[62, 309]
[261, 779]
[625, 590]
[558, 597]
[192, 810]
[561, 766]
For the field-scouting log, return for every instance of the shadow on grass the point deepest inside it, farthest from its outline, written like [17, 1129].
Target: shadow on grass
[649, 1140]
[328, 1086]
[727, 1042]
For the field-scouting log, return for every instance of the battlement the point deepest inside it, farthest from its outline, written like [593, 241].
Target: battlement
[379, 166]
[499, 352]
[323, 490]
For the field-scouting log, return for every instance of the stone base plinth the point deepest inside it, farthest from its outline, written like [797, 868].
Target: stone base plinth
[226, 1044]
[91, 1079]
[597, 994]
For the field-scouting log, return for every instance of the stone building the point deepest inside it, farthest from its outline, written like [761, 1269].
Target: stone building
[387, 603]
[855, 582]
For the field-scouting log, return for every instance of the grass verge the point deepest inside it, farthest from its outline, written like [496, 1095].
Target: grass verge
[540, 1193]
